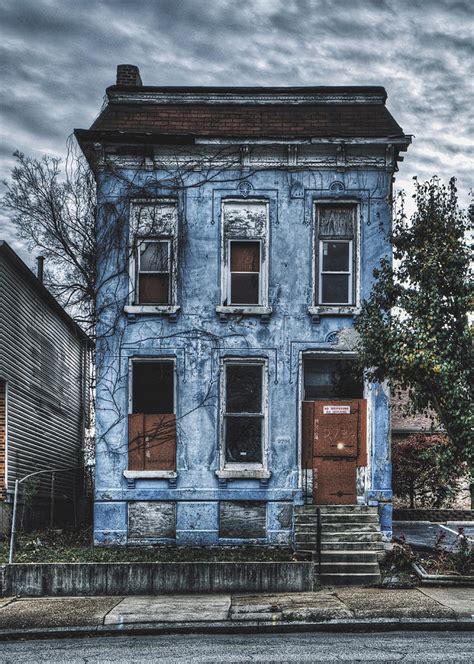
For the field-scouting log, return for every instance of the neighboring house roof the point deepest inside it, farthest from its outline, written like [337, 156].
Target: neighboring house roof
[8, 254]
[298, 113]
[402, 423]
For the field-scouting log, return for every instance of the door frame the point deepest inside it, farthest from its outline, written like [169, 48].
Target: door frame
[322, 354]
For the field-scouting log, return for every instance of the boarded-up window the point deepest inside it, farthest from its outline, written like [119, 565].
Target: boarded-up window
[152, 422]
[244, 416]
[242, 519]
[151, 520]
[335, 254]
[245, 230]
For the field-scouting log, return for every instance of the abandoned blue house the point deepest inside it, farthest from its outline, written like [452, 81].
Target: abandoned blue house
[238, 232]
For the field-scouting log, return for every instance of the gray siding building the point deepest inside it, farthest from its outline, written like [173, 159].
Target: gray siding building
[44, 364]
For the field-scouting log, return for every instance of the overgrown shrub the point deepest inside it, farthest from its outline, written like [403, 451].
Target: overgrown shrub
[419, 473]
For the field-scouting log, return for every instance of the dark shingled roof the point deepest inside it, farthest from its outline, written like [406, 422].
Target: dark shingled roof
[279, 113]
[269, 121]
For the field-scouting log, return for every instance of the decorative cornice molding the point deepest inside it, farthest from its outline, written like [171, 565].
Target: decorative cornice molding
[137, 97]
[313, 161]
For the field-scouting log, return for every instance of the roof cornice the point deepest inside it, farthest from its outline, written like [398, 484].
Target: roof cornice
[245, 96]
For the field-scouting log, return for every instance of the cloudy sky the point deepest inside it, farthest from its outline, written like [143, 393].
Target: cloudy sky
[58, 56]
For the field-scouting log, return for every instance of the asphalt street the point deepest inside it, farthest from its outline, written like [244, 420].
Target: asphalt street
[319, 647]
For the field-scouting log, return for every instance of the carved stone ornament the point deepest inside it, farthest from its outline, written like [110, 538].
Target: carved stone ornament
[245, 188]
[332, 338]
[296, 190]
[337, 186]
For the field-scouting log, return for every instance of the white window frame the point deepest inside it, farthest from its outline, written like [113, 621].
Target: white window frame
[263, 308]
[349, 273]
[151, 474]
[230, 272]
[236, 470]
[317, 307]
[155, 240]
[133, 307]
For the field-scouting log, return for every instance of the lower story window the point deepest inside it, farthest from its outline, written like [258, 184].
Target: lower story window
[244, 419]
[152, 419]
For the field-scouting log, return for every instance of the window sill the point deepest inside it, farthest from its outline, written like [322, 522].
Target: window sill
[256, 310]
[333, 310]
[150, 474]
[242, 474]
[166, 309]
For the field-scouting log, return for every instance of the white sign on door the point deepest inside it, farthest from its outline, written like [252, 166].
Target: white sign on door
[336, 410]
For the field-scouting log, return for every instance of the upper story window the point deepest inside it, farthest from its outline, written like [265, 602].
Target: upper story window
[335, 258]
[245, 272]
[244, 254]
[153, 259]
[154, 272]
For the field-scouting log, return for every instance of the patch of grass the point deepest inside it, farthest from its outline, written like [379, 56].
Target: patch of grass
[66, 546]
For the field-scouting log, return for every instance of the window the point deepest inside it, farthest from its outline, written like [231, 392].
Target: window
[153, 259]
[332, 378]
[335, 254]
[152, 421]
[244, 279]
[244, 256]
[153, 387]
[244, 419]
[154, 272]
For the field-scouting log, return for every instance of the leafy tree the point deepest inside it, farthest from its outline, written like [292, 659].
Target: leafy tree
[414, 330]
[419, 473]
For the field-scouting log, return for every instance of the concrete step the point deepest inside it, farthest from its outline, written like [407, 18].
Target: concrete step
[301, 538]
[349, 579]
[349, 527]
[336, 509]
[351, 546]
[350, 568]
[352, 536]
[356, 556]
[355, 517]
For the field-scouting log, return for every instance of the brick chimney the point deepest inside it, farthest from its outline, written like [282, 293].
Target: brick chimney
[128, 75]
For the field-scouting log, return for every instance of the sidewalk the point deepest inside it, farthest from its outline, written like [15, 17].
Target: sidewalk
[331, 609]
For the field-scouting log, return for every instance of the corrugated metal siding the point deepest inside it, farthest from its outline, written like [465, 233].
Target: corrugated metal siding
[2, 438]
[42, 362]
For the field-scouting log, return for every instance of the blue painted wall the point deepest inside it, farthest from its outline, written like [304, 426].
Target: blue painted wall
[198, 339]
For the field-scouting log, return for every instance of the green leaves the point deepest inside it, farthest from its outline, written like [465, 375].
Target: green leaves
[414, 327]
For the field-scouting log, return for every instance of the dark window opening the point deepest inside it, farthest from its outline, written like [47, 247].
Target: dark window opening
[244, 272]
[332, 379]
[153, 387]
[243, 413]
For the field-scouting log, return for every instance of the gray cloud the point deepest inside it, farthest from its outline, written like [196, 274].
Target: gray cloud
[58, 56]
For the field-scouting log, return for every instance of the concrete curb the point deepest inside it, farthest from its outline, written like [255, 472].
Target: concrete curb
[242, 627]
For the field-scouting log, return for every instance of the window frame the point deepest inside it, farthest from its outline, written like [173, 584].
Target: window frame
[243, 469]
[230, 241]
[133, 306]
[349, 273]
[317, 307]
[132, 475]
[263, 307]
[162, 239]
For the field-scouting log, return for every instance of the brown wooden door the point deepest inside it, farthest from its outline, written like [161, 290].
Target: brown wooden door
[334, 444]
